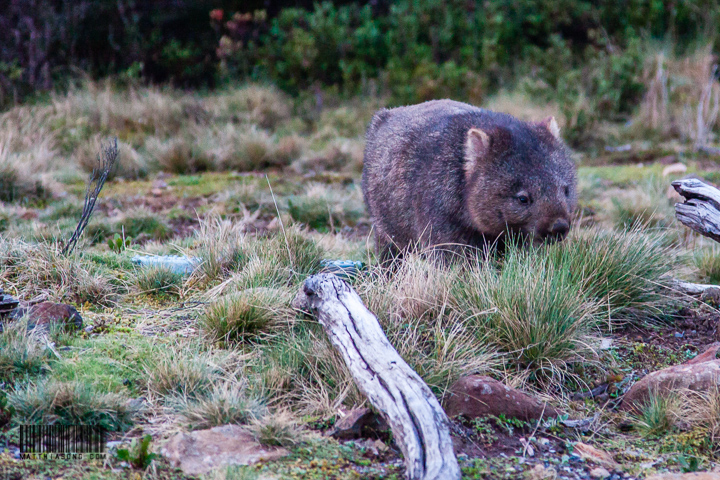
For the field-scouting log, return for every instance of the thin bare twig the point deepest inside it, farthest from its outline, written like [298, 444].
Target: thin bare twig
[106, 161]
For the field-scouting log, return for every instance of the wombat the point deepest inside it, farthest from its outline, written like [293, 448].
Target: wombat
[447, 173]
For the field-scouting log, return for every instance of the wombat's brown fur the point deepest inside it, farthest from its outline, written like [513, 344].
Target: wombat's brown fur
[448, 173]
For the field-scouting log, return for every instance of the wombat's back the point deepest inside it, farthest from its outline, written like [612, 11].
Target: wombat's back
[402, 156]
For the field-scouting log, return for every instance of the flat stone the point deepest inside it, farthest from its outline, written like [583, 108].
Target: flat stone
[200, 452]
[478, 396]
[685, 476]
[699, 377]
[44, 314]
[540, 472]
[595, 455]
[710, 353]
[599, 473]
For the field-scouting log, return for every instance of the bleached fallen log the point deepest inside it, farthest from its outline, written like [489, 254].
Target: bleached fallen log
[694, 289]
[701, 209]
[418, 422]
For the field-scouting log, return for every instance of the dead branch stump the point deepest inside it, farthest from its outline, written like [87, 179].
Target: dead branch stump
[701, 209]
[418, 422]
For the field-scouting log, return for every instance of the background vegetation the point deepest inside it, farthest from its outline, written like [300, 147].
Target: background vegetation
[592, 58]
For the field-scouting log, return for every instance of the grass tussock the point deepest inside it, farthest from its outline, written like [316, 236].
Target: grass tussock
[292, 248]
[22, 353]
[279, 429]
[264, 106]
[182, 372]
[225, 403]
[40, 268]
[71, 403]
[157, 280]
[707, 263]
[245, 314]
[645, 206]
[625, 272]
[179, 155]
[659, 415]
[302, 369]
[533, 311]
[222, 247]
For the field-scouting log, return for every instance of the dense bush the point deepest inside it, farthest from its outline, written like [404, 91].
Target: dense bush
[410, 49]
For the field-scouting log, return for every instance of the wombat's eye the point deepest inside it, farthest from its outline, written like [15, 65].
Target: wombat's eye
[523, 199]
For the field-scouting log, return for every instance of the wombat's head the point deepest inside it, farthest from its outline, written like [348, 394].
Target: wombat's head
[521, 180]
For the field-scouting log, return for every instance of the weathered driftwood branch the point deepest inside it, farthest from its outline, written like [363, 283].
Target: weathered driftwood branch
[701, 210]
[419, 425]
[693, 288]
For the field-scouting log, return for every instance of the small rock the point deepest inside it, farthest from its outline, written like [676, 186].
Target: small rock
[674, 169]
[373, 448]
[592, 454]
[620, 148]
[44, 314]
[175, 263]
[541, 472]
[202, 451]
[358, 423]
[599, 472]
[699, 377]
[7, 303]
[478, 396]
[159, 184]
[679, 335]
[710, 353]
[29, 215]
[685, 476]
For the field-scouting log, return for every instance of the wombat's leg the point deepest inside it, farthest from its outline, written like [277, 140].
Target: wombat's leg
[387, 251]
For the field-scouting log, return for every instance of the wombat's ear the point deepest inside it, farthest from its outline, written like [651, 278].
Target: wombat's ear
[552, 126]
[477, 145]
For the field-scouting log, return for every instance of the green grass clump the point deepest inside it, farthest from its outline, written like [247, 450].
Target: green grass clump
[657, 416]
[39, 268]
[246, 314]
[415, 310]
[222, 247]
[707, 262]
[183, 372]
[295, 250]
[22, 353]
[144, 224]
[277, 430]
[531, 309]
[157, 280]
[71, 403]
[623, 271]
[226, 403]
[316, 213]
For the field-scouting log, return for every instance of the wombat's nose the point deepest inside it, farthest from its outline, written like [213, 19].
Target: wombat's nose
[560, 229]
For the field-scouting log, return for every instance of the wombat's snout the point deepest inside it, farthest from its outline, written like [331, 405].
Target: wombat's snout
[559, 230]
